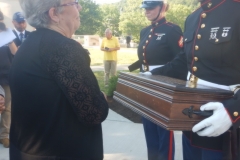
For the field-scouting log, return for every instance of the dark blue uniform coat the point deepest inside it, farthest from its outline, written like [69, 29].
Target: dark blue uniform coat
[212, 53]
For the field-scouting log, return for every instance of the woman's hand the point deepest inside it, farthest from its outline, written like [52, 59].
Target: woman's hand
[13, 48]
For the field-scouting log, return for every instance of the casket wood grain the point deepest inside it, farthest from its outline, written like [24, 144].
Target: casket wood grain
[162, 99]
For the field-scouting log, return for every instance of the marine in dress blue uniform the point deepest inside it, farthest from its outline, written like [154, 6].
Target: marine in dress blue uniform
[212, 53]
[159, 44]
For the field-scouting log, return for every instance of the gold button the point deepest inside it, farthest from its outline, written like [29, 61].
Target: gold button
[196, 58]
[146, 41]
[149, 36]
[203, 26]
[196, 48]
[144, 61]
[194, 69]
[235, 114]
[216, 40]
[204, 15]
[209, 4]
[199, 36]
[143, 47]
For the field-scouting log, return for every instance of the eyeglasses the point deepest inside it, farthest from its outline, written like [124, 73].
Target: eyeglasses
[71, 4]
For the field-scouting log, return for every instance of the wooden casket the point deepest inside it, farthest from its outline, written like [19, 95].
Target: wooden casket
[163, 100]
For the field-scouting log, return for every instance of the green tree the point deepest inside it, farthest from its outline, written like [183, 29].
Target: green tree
[90, 18]
[189, 3]
[178, 13]
[110, 18]
[132, 19]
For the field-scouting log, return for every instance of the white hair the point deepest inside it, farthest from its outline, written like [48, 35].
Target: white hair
[36, 11]
[108, 30]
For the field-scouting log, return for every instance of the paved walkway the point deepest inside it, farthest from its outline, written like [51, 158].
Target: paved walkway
[123, 139]
[119, 67]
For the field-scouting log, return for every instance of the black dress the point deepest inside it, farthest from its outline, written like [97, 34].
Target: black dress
[57, 106]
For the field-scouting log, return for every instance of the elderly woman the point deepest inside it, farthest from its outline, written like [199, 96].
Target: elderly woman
[57, 106]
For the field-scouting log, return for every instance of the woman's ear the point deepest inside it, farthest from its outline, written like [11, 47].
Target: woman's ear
[53, 14]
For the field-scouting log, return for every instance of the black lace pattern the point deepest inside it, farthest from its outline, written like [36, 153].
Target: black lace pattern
[69, 64]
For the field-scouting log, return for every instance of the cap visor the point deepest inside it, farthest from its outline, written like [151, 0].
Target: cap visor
[20, 20]
[147, 6]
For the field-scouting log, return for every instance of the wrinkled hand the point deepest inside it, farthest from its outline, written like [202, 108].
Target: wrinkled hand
[216, 124]
[145, 73]
[2, 102]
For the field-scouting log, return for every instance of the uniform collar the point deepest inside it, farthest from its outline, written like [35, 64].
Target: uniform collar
[211, 4]
[161, 21]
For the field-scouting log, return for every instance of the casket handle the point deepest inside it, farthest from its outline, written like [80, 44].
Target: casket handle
[189, 111]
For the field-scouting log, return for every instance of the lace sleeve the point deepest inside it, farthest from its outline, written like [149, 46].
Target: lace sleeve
[69, 66]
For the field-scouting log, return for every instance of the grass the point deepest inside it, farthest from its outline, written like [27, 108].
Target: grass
[100, 78]
[126, 56]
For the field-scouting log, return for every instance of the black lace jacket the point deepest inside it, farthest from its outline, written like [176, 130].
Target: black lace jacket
[69, 65]
[57, 106]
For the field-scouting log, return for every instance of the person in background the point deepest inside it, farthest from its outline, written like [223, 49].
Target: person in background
[128, 40]
[59, 114]
[2, 100]
[211, 56]
[109, 45]
[7, 52]
[20, 26]
[159, 43]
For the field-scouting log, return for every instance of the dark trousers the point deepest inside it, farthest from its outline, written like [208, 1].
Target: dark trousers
[160, 142]
[194, 153]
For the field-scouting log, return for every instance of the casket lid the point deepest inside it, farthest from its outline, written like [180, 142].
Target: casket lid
[173, 84]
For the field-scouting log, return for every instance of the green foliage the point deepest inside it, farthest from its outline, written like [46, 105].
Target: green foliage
[90, 18]
[189, 3]
[110, 14]
[100, 78]
[112, 84]
[178, 13]
[126, 17]
[132, 19]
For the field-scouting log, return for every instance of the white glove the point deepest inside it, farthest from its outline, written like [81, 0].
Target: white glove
[145, 73]
[216, 124]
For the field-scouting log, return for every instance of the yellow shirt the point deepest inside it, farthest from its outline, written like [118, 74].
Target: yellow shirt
[110, 43]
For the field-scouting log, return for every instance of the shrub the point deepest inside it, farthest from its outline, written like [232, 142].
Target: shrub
[112, 83]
